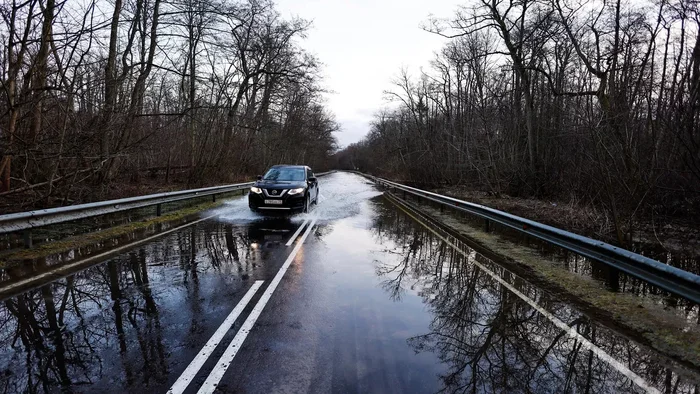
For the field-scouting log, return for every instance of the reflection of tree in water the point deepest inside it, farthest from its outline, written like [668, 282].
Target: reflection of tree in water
[492, 341]
[415, 250]
[34, 335]
[105, 322]
[61, 325]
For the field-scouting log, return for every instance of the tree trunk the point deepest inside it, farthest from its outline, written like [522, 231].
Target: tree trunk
[110, 90]
[39, 82]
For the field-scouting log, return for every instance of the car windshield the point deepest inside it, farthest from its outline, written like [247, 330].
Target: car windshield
[284, 174]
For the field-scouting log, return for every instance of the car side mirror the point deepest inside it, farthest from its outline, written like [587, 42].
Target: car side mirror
[312, 179]
[259, 177]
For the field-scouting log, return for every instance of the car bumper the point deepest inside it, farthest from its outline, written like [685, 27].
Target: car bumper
[288, 204]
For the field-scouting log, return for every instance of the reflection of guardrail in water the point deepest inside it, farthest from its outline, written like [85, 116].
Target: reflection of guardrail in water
[674, 280]
[26, 221]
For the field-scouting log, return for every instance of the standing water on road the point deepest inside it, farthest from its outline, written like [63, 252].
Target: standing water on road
[373, 302]
[340, 197]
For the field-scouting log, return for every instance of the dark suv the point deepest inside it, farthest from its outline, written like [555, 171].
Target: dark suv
[284, 189]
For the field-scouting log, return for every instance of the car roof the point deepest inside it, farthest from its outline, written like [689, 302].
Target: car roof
[289, 165]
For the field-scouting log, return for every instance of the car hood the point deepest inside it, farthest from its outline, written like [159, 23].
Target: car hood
[280, 184]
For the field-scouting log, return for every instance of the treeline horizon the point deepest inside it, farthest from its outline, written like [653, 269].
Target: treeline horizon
[100, 93]
[594, 102]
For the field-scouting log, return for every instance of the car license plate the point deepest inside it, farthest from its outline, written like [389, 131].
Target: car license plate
[273, 202]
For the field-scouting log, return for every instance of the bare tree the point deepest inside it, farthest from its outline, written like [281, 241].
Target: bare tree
[563, 99]
[100, 93]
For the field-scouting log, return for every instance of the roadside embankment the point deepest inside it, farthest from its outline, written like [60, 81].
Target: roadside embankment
[669, 327]
[675, 234]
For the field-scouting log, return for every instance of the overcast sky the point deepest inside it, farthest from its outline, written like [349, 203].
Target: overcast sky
[363, 44]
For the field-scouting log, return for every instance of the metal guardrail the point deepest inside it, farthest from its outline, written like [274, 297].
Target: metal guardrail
[25, 221]
[674, 280]
[44, 217]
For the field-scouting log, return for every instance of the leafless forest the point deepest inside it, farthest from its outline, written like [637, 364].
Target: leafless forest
[578, 100]
[102, 95]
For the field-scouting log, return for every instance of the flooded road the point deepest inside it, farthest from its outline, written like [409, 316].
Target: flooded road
[355, 296]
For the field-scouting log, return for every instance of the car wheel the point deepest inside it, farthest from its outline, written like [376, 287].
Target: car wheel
[306, 204]
[316, 199]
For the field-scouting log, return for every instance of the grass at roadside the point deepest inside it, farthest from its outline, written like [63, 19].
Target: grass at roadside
[84, 240]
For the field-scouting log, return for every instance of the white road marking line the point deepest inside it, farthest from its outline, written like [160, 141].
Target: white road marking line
[225, 361]
[631, 375]
[296, 233]
[67, 268]
[191, 371]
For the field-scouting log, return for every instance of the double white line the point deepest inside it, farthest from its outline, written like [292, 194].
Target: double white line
[296, 233]
[225, 360]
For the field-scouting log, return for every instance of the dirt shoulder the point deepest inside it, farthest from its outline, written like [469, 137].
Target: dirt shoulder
[678, 235]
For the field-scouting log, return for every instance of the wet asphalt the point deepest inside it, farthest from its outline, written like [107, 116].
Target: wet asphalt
[372, 302]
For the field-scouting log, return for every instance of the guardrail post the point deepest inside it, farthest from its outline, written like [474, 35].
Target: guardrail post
[159, 210]
[27, 239]
[213, 197]
[606, 273]
[613, 279]
[487, 225]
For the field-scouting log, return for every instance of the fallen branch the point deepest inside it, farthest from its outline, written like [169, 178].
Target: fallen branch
[40, 184]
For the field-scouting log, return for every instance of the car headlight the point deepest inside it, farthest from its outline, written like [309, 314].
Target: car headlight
[298, 190]
[256, 190]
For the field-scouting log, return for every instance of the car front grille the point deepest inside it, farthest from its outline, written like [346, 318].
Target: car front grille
[275, 192]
